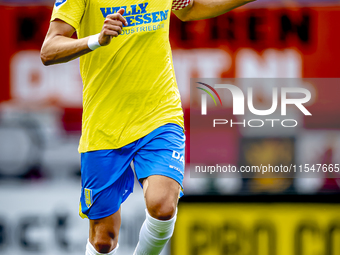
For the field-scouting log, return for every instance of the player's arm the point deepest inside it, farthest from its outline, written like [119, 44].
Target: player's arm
[205, 9]
[59, 47]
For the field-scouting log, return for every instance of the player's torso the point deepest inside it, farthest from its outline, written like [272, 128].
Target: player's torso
[143, 48]
[129, 85]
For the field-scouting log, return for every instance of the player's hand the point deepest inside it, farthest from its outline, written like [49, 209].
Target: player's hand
[112, 27]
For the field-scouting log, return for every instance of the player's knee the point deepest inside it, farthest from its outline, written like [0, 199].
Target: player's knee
[105, 245]
[162, 209]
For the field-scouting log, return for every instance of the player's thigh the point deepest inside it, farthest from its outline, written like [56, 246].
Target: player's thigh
[161, 196]
[159, 165]
[104, 232]
[162, 155]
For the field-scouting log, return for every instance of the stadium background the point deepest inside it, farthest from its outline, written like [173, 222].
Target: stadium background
[40, 118]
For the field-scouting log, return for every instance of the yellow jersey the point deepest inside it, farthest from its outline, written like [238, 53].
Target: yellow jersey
[129, 86]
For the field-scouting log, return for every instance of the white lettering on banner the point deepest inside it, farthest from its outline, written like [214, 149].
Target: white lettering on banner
[272, 63]
[32, 82]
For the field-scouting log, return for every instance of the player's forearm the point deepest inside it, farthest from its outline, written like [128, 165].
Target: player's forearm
[205, 9]
[61, 49]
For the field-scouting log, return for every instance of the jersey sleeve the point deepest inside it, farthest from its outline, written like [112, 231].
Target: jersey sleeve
[179, 4]
[70, 11]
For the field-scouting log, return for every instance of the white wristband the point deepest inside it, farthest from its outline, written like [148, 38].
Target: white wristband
[93, 42]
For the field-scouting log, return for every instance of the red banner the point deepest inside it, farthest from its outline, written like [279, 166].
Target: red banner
[274, 42]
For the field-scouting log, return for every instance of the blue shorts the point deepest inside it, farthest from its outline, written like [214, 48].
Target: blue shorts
[108, 179]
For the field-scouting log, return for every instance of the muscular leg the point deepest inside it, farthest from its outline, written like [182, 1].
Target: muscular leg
[104, 233]
[161, 197]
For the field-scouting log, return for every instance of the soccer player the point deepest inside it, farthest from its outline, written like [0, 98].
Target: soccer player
[131, 109]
